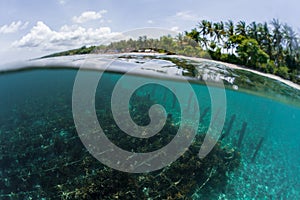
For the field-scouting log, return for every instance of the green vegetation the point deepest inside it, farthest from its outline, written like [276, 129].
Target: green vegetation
[270, 48]
[82, 50]
[181, 45]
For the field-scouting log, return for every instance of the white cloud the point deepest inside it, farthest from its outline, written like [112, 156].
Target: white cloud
[13, 27]
[43, 37]
[187, 15]
[175, 28]
[150, 21]
[88, 16]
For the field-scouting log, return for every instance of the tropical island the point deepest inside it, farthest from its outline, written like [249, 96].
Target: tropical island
[271, 48]
[255, 156]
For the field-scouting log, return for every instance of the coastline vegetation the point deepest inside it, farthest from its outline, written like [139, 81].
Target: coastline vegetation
[267, 47]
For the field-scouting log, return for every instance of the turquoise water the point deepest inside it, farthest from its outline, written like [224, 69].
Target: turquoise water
[41, 155]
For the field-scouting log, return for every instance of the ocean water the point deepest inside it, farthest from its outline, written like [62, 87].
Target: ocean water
[42, 157]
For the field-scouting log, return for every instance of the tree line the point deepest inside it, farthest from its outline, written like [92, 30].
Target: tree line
[268, 47]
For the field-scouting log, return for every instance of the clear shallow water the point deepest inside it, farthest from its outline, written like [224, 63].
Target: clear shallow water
[42, 156]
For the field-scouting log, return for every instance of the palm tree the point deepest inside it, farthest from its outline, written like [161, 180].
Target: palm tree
[265, 38]
[241, 28]
[203, 26]
[290, 39]
[222, 29]
[290, 43]
[210, 29]
[252, 31]
[211, 32]
[229, 30]
[277, 40]
[229, 26]
[219, 31]
[204, 41]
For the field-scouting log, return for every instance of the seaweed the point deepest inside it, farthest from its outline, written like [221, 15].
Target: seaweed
[46, 159]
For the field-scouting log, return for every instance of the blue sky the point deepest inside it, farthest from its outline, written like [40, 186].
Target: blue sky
[34, 28]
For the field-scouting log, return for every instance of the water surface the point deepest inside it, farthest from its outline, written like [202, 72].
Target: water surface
[41, 155]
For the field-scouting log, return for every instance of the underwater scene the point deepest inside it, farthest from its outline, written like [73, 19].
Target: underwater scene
[42, 155]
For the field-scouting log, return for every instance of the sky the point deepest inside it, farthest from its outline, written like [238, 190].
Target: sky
[34, 28]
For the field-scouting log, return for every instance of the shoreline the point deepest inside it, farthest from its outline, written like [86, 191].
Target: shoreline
[229, 65]
[234, 66]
